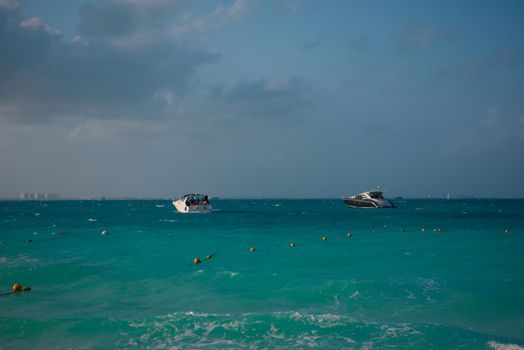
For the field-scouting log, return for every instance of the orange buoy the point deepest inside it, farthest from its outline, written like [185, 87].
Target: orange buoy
[252, 249]
[293, 244]
[17, 287]
[324, 238]
[196, 261]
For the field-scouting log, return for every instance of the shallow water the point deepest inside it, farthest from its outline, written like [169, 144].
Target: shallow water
[390, 285]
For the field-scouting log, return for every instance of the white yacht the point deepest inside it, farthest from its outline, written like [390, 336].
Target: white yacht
[371, 199]
[193, 203]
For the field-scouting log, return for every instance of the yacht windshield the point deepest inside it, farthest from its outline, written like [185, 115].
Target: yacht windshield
[376, 195]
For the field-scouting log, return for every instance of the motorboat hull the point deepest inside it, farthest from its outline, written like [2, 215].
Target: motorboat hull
[181, 207]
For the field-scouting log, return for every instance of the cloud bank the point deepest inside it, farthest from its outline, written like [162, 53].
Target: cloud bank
[122, 60]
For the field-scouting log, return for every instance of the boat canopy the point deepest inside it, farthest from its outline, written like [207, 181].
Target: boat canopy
[194, 197]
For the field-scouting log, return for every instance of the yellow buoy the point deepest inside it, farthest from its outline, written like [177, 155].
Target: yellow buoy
[293, 244]
[349, 234]
[252, 249]
[17, 287]
[506, 231]
[324, 238]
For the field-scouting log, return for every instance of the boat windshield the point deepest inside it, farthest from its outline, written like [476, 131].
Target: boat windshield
[376, 195]
[195, 199]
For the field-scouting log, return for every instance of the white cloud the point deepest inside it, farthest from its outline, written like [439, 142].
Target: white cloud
[107, 77]
[36, 23]
[221, 15]
[292, 5]
[115, 130]
[239, 9]
[495, 130]
[491, 120]
[166, 95]
[420, 38]
[9, 4]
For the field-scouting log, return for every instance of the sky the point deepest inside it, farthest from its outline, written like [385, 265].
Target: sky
[252, 98]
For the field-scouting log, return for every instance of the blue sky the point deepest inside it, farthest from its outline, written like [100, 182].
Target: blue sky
[153, 98]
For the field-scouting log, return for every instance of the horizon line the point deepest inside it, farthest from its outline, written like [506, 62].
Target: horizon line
[123, 198]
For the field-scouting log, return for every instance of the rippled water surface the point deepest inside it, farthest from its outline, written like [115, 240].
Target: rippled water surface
[428, 274]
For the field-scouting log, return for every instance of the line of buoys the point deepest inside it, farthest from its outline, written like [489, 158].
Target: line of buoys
[17, 288]
[197, 261]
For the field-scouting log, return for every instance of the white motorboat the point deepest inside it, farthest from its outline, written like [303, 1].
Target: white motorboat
[370, 199]
[193, 203]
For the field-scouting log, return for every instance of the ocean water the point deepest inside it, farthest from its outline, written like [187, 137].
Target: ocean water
[396, 282]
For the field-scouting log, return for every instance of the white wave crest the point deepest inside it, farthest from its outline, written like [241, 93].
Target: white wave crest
[167, 220]
[231, 274]
[499, 346]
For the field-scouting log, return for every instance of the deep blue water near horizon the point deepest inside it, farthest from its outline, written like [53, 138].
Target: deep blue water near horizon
[389, 285]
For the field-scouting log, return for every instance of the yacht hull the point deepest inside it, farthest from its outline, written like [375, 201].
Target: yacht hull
[367, 203]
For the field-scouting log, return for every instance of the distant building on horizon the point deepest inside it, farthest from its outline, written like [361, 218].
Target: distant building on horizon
[39, 196]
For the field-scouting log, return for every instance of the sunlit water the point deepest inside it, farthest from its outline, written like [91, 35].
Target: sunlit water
[390, 284]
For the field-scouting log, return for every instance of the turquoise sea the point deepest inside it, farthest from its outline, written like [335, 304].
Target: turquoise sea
[390, 284]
